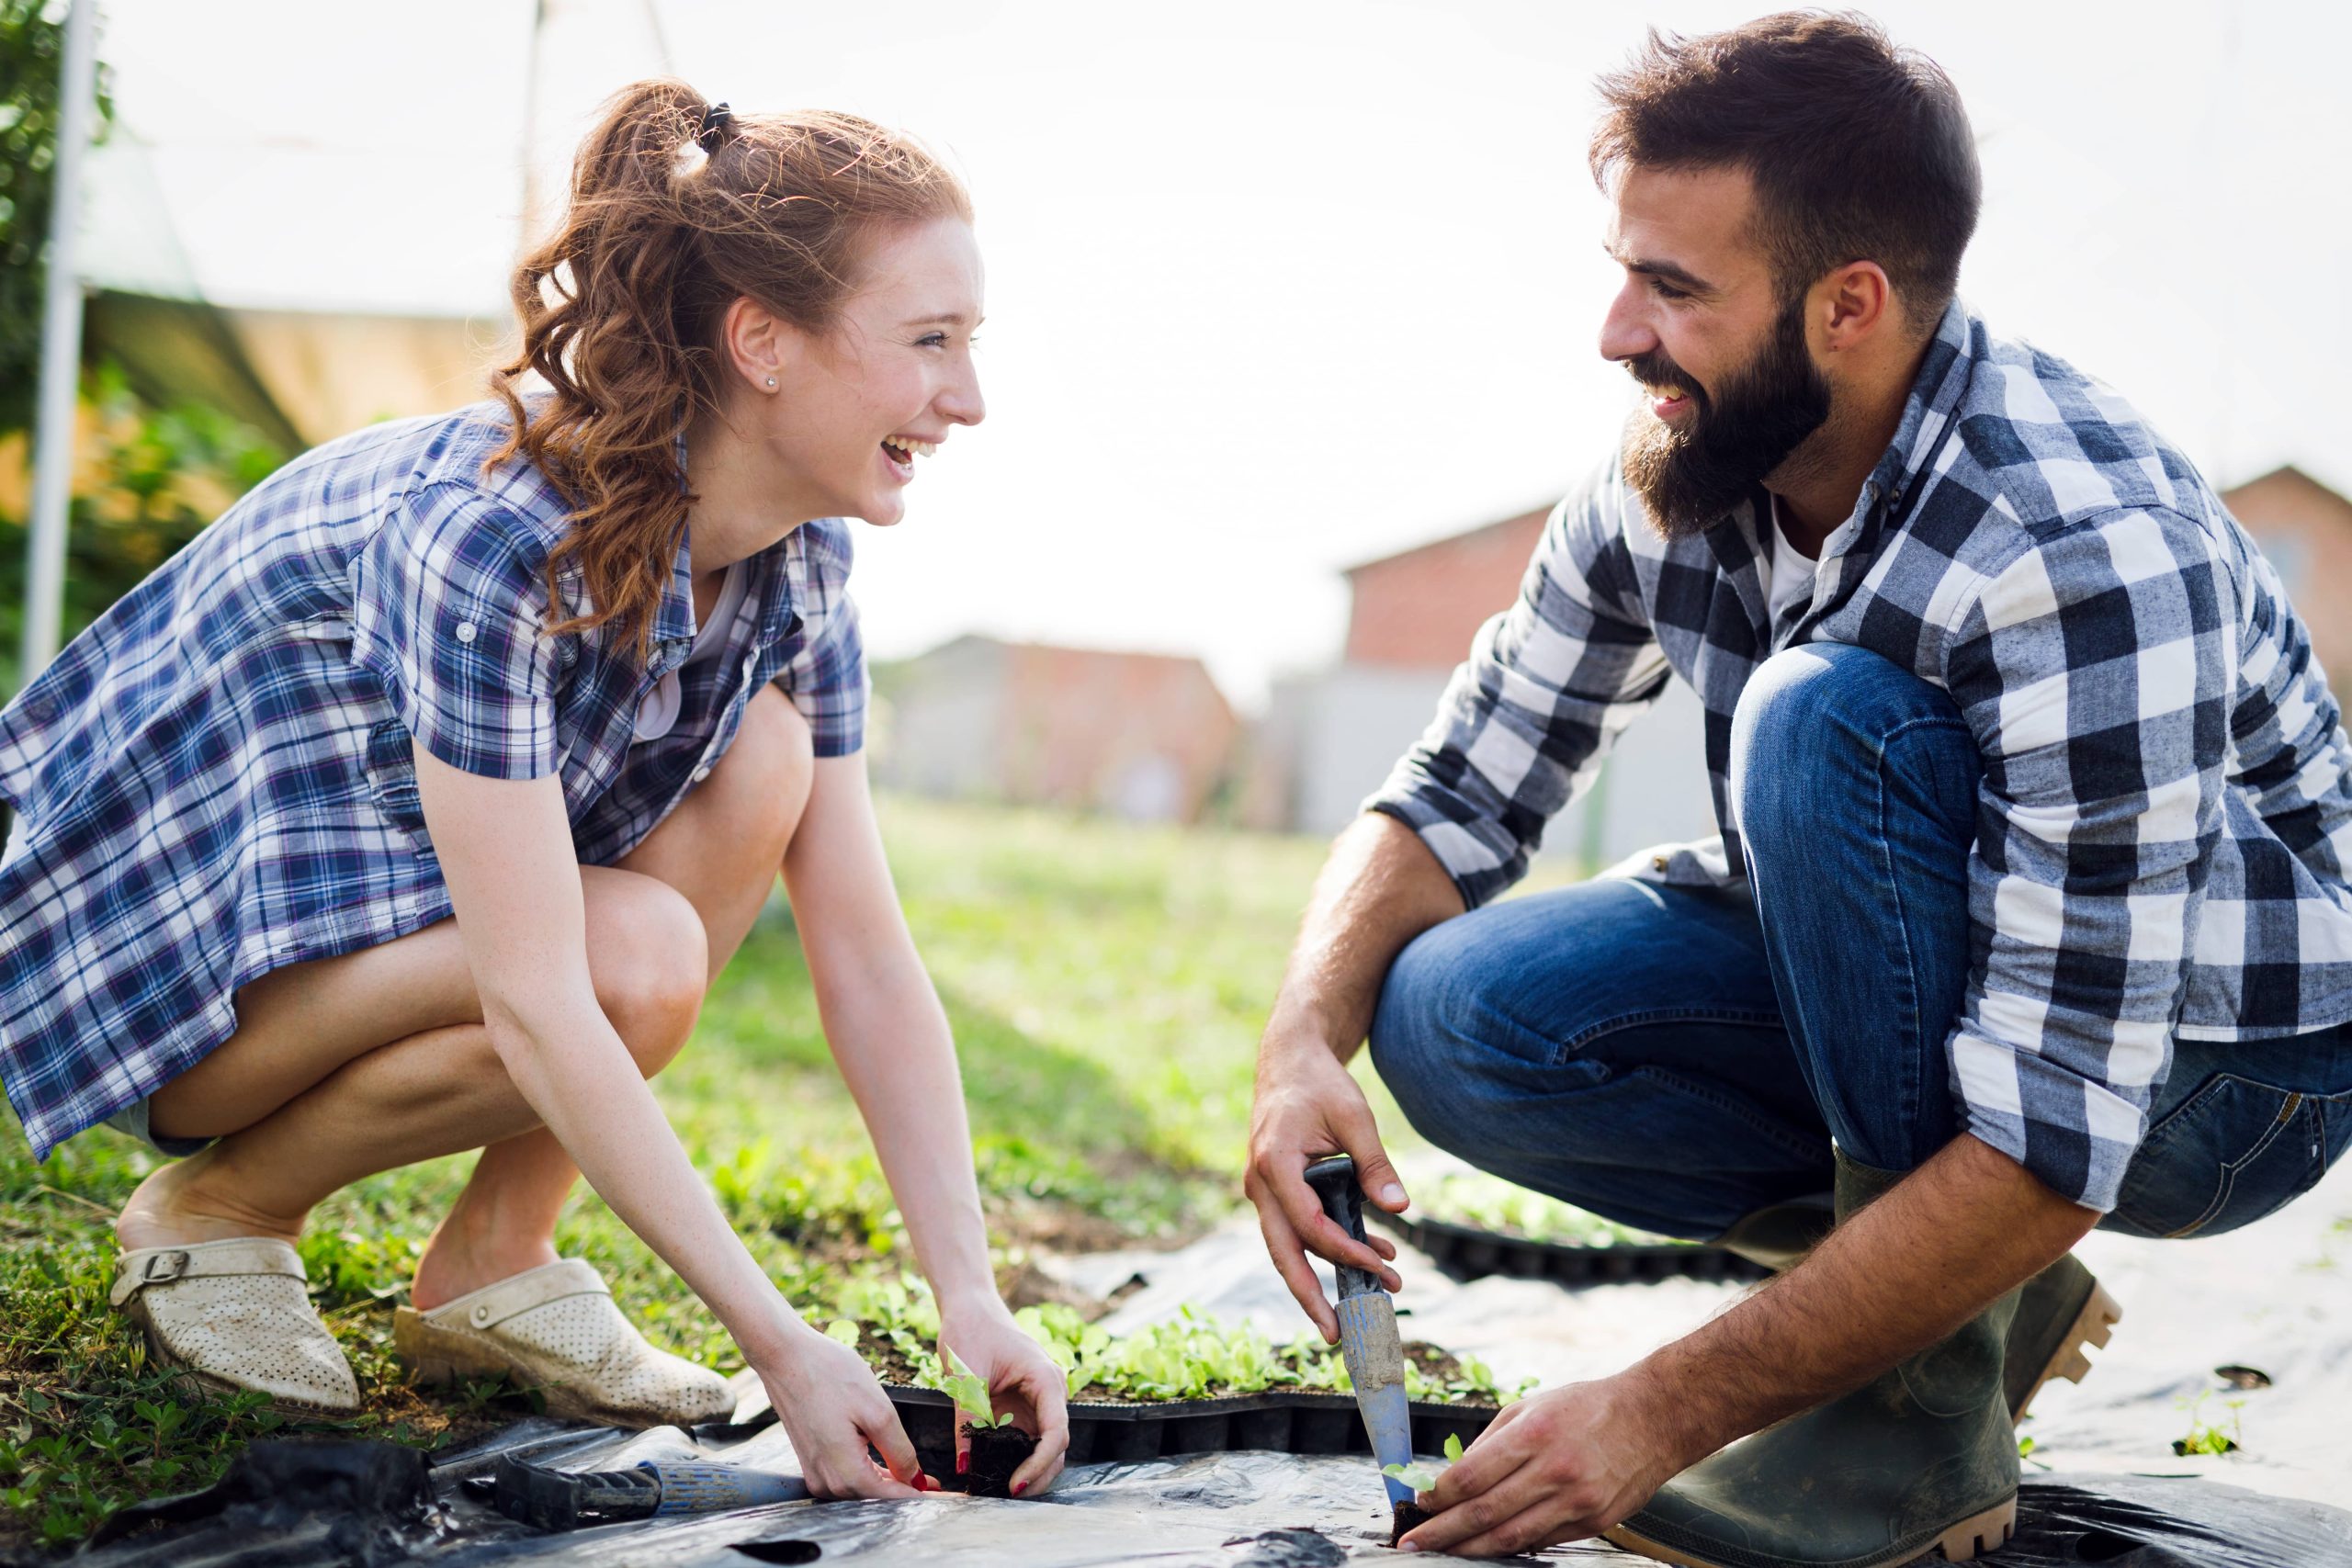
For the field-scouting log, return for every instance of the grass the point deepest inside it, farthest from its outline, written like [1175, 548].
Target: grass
[1107, 984]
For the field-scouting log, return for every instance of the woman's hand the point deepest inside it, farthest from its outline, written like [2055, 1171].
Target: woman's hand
[1023, 1381]
[833, 1410]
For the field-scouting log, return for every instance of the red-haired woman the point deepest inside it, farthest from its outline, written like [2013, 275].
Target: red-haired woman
[412, 808]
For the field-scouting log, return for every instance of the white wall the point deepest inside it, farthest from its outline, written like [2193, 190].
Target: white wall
[1347, 726]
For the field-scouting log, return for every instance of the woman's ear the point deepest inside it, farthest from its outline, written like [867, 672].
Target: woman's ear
[757, 344]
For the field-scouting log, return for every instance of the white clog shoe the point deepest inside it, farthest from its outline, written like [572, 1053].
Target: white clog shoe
[236, 1315]
[555, 1328]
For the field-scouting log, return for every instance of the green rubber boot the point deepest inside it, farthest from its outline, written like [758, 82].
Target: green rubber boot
[2062, 1312]
[1923, 1457]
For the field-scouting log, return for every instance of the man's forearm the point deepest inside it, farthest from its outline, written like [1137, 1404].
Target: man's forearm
[1380, 889]
[1944, 1244]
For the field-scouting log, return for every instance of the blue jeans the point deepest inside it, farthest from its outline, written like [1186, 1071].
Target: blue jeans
[1677, 1058]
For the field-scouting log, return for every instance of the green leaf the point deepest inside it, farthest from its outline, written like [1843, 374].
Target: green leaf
[1420, 1477]
[1453, 1445]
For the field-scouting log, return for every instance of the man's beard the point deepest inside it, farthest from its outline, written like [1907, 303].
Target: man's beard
[1689, 479]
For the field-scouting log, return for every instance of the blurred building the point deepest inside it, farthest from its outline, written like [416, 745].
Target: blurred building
[2305, 531]
[1142, 736]
[1330, 737]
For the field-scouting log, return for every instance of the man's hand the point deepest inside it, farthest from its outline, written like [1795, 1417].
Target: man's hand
[1381, 888]
[1562, 1465]
[1308, 1107]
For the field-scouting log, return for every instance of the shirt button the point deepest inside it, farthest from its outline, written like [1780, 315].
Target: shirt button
[465, 631]
[701, 773]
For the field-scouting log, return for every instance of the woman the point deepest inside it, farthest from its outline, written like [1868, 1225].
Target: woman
[410, 808]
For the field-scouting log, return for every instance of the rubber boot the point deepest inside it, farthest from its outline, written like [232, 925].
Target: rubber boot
[1777, 1236]
[2062, 1312]
[1922, 1457]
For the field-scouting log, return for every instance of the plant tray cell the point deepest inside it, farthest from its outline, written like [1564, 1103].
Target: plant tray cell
[1280, 1420]
[1474, 1254]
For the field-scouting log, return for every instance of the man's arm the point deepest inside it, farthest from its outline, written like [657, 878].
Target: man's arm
[1380, 889]
[1944, 1244]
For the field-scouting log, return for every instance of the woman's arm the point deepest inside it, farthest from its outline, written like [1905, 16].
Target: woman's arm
[505, 851]
[887, 1031]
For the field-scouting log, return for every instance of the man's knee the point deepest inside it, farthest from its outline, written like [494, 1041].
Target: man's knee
[649, 959]
[1813, 726]
[1424, 1033]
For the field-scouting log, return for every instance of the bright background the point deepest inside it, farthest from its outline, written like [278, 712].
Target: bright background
[1274, 287]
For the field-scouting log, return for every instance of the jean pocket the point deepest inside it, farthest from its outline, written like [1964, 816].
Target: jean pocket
[2232, 1152]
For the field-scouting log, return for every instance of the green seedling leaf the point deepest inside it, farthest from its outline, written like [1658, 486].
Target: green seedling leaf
[1454, 1446]
[842, 1331]
[1420, 1477]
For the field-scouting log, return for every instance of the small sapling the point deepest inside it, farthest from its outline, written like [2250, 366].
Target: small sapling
[997, 1447]
[1421, 1478]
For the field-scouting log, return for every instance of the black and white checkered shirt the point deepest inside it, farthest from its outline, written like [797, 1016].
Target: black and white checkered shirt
[2166, 821]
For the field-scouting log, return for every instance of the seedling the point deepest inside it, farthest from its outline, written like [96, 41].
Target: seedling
[970, 1393]
[2207, 1437]
[1421, 1477]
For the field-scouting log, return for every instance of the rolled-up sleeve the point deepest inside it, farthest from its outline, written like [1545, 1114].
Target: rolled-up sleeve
[1526, 720]
[449, 612]
[2094, 672]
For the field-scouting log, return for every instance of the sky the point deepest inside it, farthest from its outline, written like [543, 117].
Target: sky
[1273, 286]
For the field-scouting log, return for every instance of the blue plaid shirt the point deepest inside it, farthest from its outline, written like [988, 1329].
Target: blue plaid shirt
[2166, 821]
[217, 779]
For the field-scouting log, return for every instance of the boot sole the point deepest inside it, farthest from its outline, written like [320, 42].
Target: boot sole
[2092, 1327]
[1963, 1542]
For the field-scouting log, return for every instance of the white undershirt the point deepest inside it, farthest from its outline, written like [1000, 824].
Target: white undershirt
[1788, 575]
[657, 713]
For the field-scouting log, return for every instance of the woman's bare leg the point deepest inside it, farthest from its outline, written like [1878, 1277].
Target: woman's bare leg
[501, 1225]
[350, 1066]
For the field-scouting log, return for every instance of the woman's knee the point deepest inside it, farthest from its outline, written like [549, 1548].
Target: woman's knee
[761, 785]
[650, 960]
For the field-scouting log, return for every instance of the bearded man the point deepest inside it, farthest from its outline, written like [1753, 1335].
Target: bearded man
[2030, 910]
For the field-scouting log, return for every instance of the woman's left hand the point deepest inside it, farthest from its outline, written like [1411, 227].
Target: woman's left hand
[1023, 1381]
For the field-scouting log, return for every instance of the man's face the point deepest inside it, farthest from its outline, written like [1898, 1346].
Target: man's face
[1730, 386]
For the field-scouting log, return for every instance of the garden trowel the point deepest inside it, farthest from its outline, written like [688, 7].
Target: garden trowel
[1368, 1337]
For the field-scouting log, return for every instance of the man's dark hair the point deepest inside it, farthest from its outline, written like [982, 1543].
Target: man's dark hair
[1859, 151]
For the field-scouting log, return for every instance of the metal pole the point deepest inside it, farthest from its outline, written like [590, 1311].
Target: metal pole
[61, 348]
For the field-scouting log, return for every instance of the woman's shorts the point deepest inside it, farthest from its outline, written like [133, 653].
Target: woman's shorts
[132, 1118]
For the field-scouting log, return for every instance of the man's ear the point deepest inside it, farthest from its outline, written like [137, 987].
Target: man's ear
[1854, 305]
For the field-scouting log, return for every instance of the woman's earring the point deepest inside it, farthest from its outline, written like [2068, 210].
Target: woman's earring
[771, 383]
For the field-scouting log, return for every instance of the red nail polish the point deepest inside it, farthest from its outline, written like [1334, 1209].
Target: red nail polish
[963, 1465]
[1019, 1487]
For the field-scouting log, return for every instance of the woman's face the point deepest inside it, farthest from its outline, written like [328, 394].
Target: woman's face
[858, 410]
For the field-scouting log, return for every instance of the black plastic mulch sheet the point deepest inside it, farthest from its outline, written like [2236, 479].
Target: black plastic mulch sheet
[1472, 1253]
[369, 1504]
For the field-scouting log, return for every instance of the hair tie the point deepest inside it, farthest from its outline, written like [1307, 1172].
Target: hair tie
[715, 120]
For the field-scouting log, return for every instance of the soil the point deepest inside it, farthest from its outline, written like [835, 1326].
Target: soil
[1403, 1516]
[997, 1452]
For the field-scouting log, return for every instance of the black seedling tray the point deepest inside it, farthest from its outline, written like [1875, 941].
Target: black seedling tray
[1281, 1420]
[1474, 1254]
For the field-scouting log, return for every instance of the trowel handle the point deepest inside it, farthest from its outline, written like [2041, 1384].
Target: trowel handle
[1334, 1180]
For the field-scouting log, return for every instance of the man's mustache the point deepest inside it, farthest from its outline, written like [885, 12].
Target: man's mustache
[1657, 369]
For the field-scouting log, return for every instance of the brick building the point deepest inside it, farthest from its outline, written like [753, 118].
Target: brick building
[1143, 736]
[2305, 531]
[1332, 735]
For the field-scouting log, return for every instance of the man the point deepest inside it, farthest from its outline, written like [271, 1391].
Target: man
[2030, 911]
